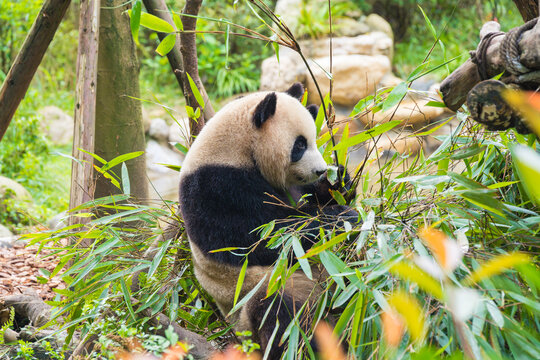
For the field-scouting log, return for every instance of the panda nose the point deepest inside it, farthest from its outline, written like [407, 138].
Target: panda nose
[319, 172]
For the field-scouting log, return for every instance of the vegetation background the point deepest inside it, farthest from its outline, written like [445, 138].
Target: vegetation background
[483, 204]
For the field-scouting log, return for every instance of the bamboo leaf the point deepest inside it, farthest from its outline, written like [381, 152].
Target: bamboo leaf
[299, 252]
[318, 249]
[120, 159]
[127, 298]
[424, 281]
[411, 312]
[135, 20]
[152, 22]
[527, 163]
[497, 265]
[125, 180]
[178, 22]
[248, 296]
[195, 91]
[395, 96]
[166, 45]
[240, 282]
[366, 135]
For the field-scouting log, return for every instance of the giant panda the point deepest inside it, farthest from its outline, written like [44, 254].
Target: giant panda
[249, 160]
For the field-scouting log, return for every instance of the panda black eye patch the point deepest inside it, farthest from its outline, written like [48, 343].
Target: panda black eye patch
[299, 148]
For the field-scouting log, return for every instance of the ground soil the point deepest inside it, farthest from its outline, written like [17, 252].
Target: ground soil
[19, 272]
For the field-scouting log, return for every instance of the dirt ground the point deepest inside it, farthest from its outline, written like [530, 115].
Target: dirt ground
[19, 272]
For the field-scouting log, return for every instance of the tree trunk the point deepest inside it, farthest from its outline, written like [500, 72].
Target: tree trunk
[27, 61]
[527, 8]
[119, 127]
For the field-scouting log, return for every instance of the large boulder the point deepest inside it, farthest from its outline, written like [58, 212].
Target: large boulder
[16, 190]
[279, 75]
[297, 13]
[413, 111]
[159, 130]
[378, 23]
[375, 43]
[355, 77]
[57, 125]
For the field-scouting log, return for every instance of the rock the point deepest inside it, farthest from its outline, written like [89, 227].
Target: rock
[17, 190]
[401, 142]
[347, 26]
[57, 125]
[289, 12]
[412, 112]
[376, 43]
[378, 23]
[159, 130]
[355, 77]
[389, 80]
[6, 237]
[58, 221]
[278, 76]
[163, 180]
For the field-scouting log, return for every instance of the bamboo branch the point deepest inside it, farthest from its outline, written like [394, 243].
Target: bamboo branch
[27, 61]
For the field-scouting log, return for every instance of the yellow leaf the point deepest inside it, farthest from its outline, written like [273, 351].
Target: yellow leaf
[497, 265]
[435, 240]
[413, 273]
[411, 312]
[527, 103]
[393, 328]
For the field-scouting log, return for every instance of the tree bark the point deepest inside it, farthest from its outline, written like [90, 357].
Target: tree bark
[119, 128]
[188, 49]
[159, 8]
[184, 57]
[527, 8]
[82, 185]
[27, 61]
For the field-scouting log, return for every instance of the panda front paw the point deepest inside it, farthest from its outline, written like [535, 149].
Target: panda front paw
[336, 179]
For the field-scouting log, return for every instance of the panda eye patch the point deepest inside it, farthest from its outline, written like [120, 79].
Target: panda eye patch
[299, 148]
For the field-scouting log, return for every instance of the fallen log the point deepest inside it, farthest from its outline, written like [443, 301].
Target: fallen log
[516, 54]
[28, 307]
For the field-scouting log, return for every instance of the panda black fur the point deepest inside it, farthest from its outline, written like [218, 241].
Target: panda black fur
[247, 158]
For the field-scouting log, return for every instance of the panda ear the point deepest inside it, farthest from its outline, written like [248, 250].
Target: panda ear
[296, 91]
[313, 110]
[265, 109]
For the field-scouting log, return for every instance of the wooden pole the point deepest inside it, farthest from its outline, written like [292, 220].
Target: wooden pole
[82, 185]
[27, 61]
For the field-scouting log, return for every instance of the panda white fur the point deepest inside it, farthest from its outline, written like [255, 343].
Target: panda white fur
[246, 159]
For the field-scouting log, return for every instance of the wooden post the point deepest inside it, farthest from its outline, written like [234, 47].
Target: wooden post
[27, 61]
[82, 185]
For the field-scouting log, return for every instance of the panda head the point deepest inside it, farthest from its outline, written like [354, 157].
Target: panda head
[284, 140]
[270, 131]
